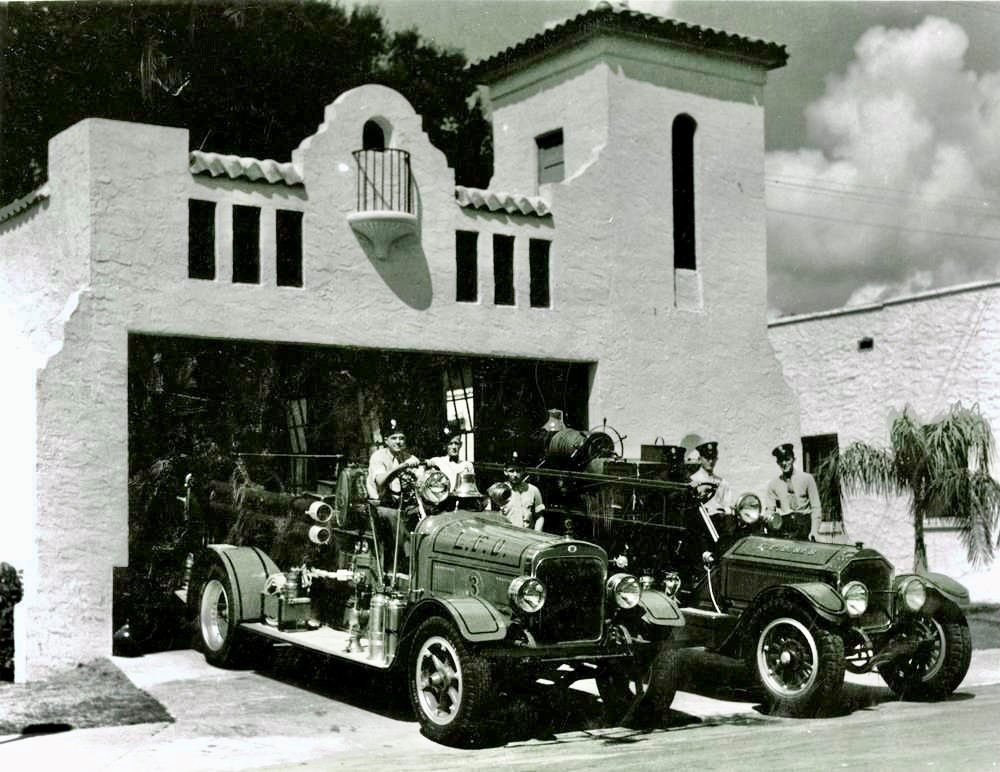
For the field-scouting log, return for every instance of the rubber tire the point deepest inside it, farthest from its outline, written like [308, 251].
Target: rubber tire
[822, 694]
[222, 644]
[908, 679]
[466, 726]
[618, 686]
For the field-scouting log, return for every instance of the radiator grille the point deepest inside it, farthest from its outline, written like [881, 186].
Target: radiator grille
[574, 604]
[876, 574]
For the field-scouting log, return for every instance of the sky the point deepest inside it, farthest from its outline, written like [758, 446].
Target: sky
[883, 133]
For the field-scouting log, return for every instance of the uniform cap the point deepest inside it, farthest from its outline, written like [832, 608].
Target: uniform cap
[784, 451]
[709, 449]
[674, 454]
[391, 427]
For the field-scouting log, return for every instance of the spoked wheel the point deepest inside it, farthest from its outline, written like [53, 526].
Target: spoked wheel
[799, 665]
[938, 666]
[639, 691]
[217, 624]
[449, 685]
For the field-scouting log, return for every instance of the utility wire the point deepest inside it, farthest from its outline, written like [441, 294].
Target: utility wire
[884, 226]
[811, 182]
[898, 203]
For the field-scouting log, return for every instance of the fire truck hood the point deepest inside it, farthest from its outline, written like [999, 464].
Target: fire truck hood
[799, 554]
[485, 538]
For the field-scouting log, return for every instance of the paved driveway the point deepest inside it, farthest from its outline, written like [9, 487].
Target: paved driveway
[307, 711]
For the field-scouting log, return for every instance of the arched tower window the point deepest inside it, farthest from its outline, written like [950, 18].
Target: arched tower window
[682, 153]
[372, 136]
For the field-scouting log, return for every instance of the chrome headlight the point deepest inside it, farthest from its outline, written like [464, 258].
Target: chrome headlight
[913, 593]
[527, 594]
[625, 589]
[433, 486]
[856, 597]
[671, 583]
[749, 508]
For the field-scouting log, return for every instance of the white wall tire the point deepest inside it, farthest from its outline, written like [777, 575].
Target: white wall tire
[218, 631]
[798, 663]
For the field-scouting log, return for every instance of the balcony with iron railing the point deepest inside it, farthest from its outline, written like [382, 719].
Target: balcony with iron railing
[385, 199]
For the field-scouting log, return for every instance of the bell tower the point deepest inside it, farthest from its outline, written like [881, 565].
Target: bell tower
[644, 136]
[671, 118]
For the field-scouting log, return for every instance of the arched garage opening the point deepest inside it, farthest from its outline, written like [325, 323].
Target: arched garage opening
[277, 418]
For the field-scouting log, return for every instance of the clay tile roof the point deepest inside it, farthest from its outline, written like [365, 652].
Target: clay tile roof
[618, 19]
[252, 169]
[19, 205]
[511, 203]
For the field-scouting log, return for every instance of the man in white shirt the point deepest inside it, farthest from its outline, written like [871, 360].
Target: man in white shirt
[388, 459]
[450, 463]
[382, 463]
[721, 502]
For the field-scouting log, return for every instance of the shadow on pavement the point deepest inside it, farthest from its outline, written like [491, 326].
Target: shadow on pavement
[540, 712]
[368, 689]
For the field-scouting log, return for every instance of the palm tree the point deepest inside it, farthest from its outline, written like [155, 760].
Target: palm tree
[943, 467]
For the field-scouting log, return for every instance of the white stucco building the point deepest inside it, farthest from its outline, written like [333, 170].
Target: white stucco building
[623, 231]
[855, 368]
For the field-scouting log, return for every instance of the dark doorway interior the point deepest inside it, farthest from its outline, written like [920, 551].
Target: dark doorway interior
[285, 418]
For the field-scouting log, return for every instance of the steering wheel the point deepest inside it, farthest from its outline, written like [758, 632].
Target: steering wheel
[705, 491]
[399, 472]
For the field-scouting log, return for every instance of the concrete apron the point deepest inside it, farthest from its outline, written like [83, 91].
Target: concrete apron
[235, 720]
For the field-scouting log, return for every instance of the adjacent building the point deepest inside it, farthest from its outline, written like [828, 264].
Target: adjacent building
[854, 369]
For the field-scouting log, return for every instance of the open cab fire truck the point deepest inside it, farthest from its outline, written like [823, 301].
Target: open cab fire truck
[482, 603]
[798, 613]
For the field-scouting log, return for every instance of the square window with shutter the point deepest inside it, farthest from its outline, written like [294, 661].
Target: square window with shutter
[551, 165]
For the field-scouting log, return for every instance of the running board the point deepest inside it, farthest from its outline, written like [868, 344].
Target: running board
[325, 640]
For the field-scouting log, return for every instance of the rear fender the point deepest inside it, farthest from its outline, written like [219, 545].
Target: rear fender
[660, 609]
[476, 620]
[247, 569]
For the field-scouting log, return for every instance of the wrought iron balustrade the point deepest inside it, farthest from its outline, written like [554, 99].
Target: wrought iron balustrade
[384, 182]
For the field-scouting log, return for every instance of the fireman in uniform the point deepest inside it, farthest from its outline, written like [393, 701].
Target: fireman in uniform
[721, 501]
[794, 493]
[382, 463]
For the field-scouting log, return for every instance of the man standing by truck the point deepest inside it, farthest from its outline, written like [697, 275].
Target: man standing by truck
[795, 496]
[524, 508]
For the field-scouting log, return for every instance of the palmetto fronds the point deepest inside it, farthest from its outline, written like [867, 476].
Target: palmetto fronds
[943, 467]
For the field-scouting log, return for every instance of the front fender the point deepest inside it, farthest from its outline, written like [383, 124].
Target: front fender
[820, 597]
[477, 620]
[947, 588]
[660, 609]
[247, 569]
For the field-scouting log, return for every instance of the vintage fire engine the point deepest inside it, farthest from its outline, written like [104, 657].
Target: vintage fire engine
[799, 613]
[482, 602]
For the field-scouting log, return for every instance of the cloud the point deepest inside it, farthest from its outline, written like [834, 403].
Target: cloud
[899, 189]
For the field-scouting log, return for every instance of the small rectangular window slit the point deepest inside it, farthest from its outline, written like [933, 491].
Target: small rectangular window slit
[466, 266]
[201, 239]
[246, 244]
[503, 270]
[288, 234]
